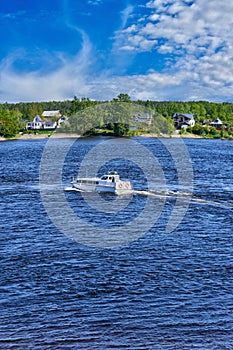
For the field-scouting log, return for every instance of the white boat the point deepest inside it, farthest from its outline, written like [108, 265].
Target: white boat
[110, 183]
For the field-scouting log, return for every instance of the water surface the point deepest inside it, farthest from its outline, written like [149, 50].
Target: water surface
[162, 291]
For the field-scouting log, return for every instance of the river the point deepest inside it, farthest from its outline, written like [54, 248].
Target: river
[161, 289]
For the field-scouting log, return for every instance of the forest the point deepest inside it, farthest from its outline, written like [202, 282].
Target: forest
[13, 116]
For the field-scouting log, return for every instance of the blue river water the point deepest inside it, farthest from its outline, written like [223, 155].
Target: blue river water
[159, 291]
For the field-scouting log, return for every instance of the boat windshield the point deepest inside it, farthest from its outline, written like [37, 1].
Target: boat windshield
[108, 178]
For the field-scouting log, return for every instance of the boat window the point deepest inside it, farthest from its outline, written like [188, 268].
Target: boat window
[104, 178]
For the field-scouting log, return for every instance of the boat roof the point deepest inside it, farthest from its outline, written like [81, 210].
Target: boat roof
[110, 173]
[89, 178]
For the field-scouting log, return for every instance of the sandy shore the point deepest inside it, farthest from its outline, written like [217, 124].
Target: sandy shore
[41, 136]
[64, 135]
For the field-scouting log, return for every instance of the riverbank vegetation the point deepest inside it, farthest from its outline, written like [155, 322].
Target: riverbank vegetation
[13, 116]
[226, 132]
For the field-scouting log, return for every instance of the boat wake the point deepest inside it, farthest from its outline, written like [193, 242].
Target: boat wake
[168, 194]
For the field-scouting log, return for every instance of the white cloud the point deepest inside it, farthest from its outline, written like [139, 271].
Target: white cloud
[180, 24]
[206, 81]
[198, 36]
[12, 15]
[64, 82]
[95, 2]
[154, 17]
[125, 14]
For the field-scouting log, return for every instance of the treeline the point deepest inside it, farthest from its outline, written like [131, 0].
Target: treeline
[28, 110]
[13, 116]
[203, 110]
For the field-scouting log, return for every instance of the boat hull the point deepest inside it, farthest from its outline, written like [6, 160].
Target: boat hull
[101, 188]
[85, 185]
[84, 188]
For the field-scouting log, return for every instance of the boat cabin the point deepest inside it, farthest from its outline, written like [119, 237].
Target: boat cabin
[111, 177]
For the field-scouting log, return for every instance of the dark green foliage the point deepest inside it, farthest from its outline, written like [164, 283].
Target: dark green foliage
[9, 124]
[14, 115]
[122, 98]
[209, 132]
[120, 129]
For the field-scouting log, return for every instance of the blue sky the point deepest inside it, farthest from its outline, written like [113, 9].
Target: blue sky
[156, 49]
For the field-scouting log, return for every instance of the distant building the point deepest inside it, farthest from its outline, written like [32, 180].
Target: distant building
[182, 120]
[36, 124]
[53, 120]
[39, 124]
[143, 118]
[217, 123]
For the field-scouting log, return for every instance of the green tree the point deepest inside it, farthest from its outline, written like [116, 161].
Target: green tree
[122, 98]
[75, 105]
[8, 124]
[120, 129]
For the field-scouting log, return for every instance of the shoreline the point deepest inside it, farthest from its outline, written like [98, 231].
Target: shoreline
[63, 135]
[39, 137]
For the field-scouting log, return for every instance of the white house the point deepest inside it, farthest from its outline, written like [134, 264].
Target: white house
[217, 123]
[36, 124]
[39, 124]
[183, 120]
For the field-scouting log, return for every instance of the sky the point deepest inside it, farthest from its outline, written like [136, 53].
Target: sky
[162, 50]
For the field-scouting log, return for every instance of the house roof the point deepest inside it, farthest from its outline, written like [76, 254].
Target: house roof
[37, 119]
[217, 121]
[55, 113]
[188, 116]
